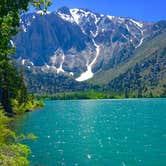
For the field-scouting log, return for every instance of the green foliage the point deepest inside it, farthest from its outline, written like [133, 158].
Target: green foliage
[11, 86]
[50, 83]
[13, 92]
[27, 106]
[11, 83]
[5, 132]
[12, 153]
[145, 79]
[41, 4]
[9, 22]
[91, 94]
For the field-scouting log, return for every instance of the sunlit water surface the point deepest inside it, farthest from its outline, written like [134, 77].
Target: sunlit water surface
[129, 132]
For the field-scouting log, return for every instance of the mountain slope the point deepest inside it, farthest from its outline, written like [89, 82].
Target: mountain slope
[69, 46]
[78, 41]
[143, 75]
[146, 51]
[50, 83]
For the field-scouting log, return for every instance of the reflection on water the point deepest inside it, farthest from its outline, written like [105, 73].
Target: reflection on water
[98, 132]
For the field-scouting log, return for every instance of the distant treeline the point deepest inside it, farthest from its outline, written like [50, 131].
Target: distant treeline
[78, 95]
[91, 94]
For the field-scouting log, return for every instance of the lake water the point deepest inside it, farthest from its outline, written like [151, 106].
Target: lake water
[129, 132]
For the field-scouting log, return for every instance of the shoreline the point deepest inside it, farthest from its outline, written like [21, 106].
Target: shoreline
[89, 96]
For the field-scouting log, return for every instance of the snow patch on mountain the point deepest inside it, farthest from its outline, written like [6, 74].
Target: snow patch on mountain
[33, 16]
[142, 39]
[71, 73]
[120, 20]
[127, 27]
[75, 15]
[89, 74]
[139, 24]
[23, 61]
[86, 75]
[47, 66]
[78, 14]
[97, 19]
[66, 17]
[60, 69]
[110, 17]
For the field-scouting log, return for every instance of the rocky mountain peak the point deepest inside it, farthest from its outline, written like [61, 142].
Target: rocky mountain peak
[78, 41]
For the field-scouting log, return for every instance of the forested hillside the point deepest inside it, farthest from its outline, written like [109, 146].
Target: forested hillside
[144, 74]
[145, 79]
[49, 83]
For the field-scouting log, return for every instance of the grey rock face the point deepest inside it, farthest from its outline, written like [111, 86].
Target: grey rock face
[71, 41]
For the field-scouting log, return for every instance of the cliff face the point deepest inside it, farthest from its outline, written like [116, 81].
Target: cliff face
[81, 44]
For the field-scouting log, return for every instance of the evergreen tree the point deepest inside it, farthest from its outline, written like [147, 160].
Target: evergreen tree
[11, 82]
[12, 87]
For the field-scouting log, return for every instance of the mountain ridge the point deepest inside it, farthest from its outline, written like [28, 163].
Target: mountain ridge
[85, 31]
[81, 44]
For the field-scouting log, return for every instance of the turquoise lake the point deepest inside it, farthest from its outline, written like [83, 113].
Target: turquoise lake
[128, 132]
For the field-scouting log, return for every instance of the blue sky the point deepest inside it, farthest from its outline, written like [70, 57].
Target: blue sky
[146, 10]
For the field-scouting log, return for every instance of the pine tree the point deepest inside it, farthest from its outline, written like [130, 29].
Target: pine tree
[11, 82]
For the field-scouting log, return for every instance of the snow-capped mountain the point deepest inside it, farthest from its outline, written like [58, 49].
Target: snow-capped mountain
[78, 42]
